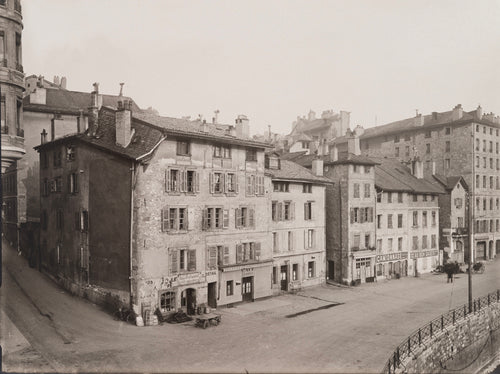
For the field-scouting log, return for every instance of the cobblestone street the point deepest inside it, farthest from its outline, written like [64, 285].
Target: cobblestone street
[322, 329]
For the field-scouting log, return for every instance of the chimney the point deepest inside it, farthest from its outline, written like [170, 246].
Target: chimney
[93, 111]
[79, 122]
[317, 167]
[479, 112]
[63, 82]
[56, 80]
[418, 169]
[40, 81]
[457, 112]
[204, 126]
[353, 143]
[345, 121]
[311, 116]
[242, 126]
[43, 137]
[334, 153]
[215, 118]
[123, 123]
[232, 130]
[435, 115]
[418, 120]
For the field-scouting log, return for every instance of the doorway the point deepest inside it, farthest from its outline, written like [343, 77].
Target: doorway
[212, 295]
[188, 300]
[480, 251]
[284, 278]
[331, 269]
[247, 289]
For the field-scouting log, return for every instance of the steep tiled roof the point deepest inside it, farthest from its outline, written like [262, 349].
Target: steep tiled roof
[291, 171]
[350, 158]
[144, 140]
[392, 175]
[448, 182]
[64, 100]
[185, 127]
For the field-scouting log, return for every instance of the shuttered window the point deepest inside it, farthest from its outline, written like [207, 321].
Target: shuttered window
[246, 252]
[244, 217]
[215, 218]
[174, 219]
[183, 180]
[182, 260]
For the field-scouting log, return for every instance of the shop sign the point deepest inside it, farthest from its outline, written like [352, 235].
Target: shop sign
[189, 278]
[392, 256]
[211, 275]
[420, 254]
[247, 271]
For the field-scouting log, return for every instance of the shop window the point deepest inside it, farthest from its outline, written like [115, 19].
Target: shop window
[167, 301]
[174, 219]
[229, 288]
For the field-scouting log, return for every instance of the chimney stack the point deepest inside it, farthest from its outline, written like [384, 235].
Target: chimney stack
[63, 82]
[242, 126]
[204, 126]
[353, 143]
[215, 118]
[457, 112]
[317, 167]
[43, 137]
[334, 153]
[123, 123]
[56, 80]
[479, 112]
[418, 169]
[232, 130]
[418, 119]
[93, 110]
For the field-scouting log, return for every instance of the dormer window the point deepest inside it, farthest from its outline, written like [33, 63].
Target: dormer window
[272, 162]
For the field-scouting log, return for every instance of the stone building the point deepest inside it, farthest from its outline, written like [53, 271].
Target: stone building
[155, 211]
[11, 117]
[297, 224]
[451, 143]
[407, 220]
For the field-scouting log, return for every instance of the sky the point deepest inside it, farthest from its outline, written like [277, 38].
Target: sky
[273, 60]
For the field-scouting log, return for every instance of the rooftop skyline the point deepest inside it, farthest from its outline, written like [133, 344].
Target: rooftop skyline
[273, 61]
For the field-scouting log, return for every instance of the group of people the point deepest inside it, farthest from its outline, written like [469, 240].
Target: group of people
[451, 268]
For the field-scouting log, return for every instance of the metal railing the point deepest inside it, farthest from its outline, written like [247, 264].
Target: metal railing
[428, 331]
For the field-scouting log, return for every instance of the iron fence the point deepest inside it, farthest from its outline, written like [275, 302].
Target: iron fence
[428, 331]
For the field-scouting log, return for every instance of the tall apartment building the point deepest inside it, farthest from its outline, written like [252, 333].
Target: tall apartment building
[297, 224]
[156, 211]
[50, 107]
[11, 116]
[453, 143]
[407, 220]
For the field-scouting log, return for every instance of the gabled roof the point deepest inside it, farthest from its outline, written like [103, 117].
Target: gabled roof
[291, 171]
[72, 101]
[450, 182]
[145, 138]
[351, 158]
[393, 176]
[187, 128]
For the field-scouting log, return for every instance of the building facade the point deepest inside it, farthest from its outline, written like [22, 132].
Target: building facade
[11, 111]
[297, 224]
[449, 144]
[190, 194]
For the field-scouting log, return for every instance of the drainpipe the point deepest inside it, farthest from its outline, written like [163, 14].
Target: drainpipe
[132, 187]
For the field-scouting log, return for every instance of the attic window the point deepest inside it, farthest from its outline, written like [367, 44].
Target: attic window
[274, 163]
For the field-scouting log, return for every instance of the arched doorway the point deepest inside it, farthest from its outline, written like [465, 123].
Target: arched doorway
[188, 300]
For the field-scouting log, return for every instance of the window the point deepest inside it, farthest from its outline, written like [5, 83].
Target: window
[361, 215]
[458, 202]
[251, 155]
[281, 186]
[484, 145]
[424, 242]
[44, 220]
[310, 269]
[72, 183]
[415, 243]
[306, 188]
[424, 197]
[183, 148]
[447, 130]
[428, 134]
[460, 222]
[400, 197]
[477, 181]
[167, 301]
[415, 219]
[2, 43]
[367, 190]
[447, 163]
[415, 198]
[181, 180]
[356, 242]
[59, 219]
[477, 128]
[400, 244]
[215, 218]
[182, 260]
[295, 272]
[82, 221]
[389, 244]
[491, 163]
[379, 197]
[433, 223]
[428, 148]
[229, 288]
[174, 219]
[18, 51]
[400, 220]
[44, 158]
[379, 221]
[56, 184]
[491, 147]
[247, 252]
[173, 180]
[379, 244]
[367, 169]
[222, 151]
[355, 168]
[45, 187]
[396, 139]
[484, 162]
[310, 238]
[216, 183]
[491, 182]
[288, 213]
[308, 210]
[424, 219]
[275, 242]
[57, 159]
[70, 153]
[389, 197]
[244, 217]
[407, 137]
[407, 150]
[389, 221]
[478, 163]
[396, 153]
[222, 255]
[367, 240]
[192, 182]
[356, 190]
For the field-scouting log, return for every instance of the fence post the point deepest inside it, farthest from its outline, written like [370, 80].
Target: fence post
[419, 337]
[431, 329]
[442, 322]
[453, 316]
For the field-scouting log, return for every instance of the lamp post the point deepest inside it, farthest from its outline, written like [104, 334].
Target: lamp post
[471, 221]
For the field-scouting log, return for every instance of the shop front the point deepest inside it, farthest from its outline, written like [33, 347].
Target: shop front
[363, 269]
[423, 261]
[391, 265]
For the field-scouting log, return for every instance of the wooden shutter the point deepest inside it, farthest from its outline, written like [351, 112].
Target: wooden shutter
[292, 210]
[226, 255]
[238, 217]
[222, 183]
[164, 219]
[204, 219]
[167, 180]
[305, 211]
[77, 221]
[251, 220]
[196, 181]
[69, 183]
[352, 215]
[370, 214]
[279, 211]
[262, 190]
[173, 262]
[75, 182]
[183, 180]
[192, 260]
[252, 184]
[186, 218]
[227, 184]
[312, 210]
[212, 257]
[236, 184]
[305, 239]
[239, 253]
[248, 184]
[225, 220]
[211, 182]
[257, 251]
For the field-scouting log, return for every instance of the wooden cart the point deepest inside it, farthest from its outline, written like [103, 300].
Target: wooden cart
[205, 320]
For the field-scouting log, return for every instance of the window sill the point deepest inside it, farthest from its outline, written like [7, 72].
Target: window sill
[176, 232]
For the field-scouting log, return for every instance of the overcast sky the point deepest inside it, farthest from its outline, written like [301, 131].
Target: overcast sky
[273, 60]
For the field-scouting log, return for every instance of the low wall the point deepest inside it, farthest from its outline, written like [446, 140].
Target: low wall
[458, 342]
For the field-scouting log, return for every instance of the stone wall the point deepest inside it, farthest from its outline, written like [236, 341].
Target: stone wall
[465, 347]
